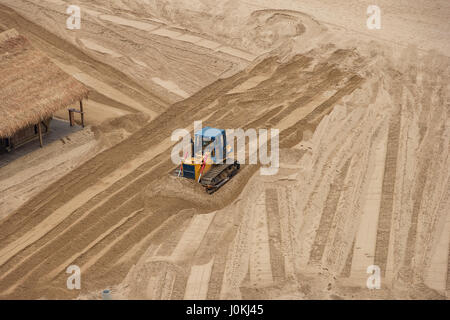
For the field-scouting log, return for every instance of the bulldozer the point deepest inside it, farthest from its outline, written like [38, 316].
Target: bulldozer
[208, 163]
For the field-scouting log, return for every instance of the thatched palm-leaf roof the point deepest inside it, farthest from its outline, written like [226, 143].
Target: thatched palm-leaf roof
[32, 87]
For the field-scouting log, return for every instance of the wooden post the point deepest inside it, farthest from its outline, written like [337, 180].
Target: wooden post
[40, 134]
[82, 113]
[71, 120]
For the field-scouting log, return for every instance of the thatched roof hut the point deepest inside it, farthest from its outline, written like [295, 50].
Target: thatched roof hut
[32, 87]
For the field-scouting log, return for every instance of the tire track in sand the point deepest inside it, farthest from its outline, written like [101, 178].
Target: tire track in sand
[260, 259]
[273, 216]
[365, 242]
[387, 198]
[78, 238]
[328, 216]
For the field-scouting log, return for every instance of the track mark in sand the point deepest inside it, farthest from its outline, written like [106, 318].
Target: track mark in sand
[166, 248]
[160, 287]
[437, 266]
[351, 85]
[92, 244]
[448, 270]
[290, 136]
[438, 274]
[425, 182]
[328, 214]
[179, 286]
[51, 258]
[250, 84]
[182, 35]
[76, 202]
[345, 273]
[193, 236]
[215, 238]
[171, 87]
[287, 216]
[273, 216]
[197, 283]
[145, 26]
[135, 251]
[364, 245]
[310, 106]
[339, 245]
[259, 264]
[217, 274]
[152, 287]
[103, 258]
[238, 240]
[49, 223]
[109, 91]
[236, 53]
[91, 45]
[103, 88]
[168, 284]
[58, 275]
[387, 197]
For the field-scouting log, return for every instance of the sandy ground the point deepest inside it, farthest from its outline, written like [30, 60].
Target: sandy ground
[143, 50]
[364, 176]
[38, 168]
[342, 201]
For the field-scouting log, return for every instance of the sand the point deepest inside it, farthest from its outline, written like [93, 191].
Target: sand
[364, 160]
[172, 87]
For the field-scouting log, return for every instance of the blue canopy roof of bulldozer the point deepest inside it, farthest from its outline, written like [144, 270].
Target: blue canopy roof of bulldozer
[209, 132]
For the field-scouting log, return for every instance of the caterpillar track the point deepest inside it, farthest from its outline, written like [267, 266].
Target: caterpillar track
[218, 176]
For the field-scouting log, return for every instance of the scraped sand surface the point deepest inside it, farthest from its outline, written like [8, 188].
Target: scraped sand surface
[364, 154]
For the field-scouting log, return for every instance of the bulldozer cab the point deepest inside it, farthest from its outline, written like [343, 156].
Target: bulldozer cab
[210, 142]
